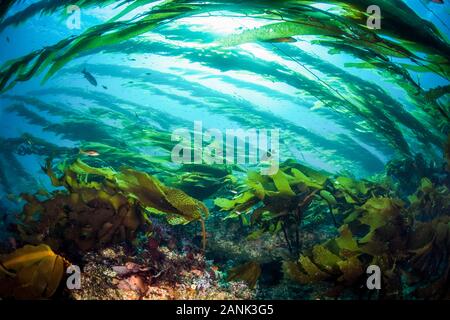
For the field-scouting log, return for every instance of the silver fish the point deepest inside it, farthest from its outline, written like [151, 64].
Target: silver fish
[89, 77]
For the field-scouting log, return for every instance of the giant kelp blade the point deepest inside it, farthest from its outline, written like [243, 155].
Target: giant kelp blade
[26, 256]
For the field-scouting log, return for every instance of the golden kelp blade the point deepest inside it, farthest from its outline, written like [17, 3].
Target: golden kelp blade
[38, 272]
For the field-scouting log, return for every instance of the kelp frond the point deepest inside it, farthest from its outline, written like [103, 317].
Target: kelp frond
[151, 195]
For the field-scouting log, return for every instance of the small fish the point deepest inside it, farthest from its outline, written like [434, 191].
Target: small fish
[90, 153]
[89, 77]
[438, 1]
[148, 73]
[281, 40]
[132, 59]
[8, 40]
[105, 87]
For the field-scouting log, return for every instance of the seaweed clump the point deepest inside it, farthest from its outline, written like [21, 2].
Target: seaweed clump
[408, 237]
[409, 242]
[101, 206]
[82, 218]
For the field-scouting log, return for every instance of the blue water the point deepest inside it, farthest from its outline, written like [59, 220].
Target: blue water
[187, 88]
